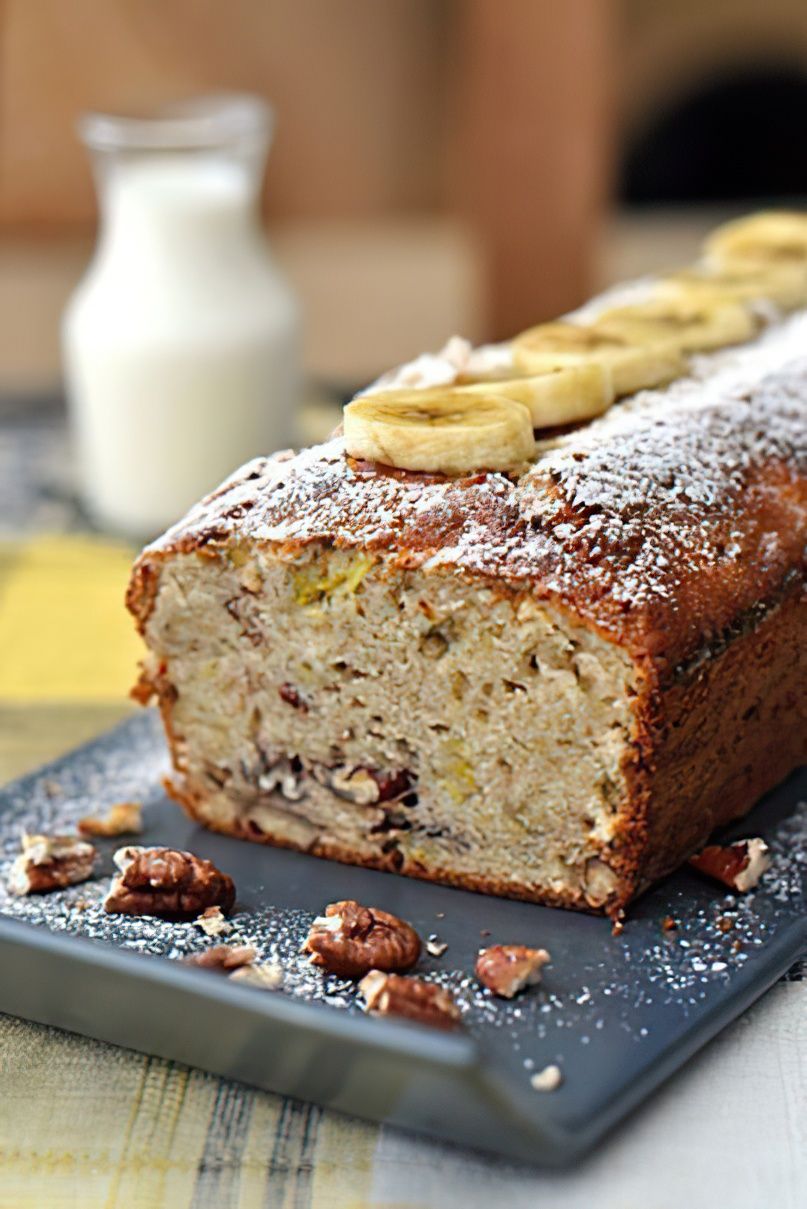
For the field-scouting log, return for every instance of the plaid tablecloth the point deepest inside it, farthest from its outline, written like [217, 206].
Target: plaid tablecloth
[88, 1125]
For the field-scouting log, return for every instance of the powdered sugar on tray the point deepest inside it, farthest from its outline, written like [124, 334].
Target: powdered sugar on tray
[608, 984]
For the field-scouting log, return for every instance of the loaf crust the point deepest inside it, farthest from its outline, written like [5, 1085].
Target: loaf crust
[674, 528]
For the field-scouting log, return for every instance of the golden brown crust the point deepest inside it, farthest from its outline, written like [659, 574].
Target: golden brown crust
[730, 729]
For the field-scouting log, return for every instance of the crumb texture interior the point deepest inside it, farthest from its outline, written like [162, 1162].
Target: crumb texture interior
[412, 719]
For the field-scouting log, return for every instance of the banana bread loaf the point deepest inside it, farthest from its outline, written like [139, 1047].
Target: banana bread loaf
[550, 684]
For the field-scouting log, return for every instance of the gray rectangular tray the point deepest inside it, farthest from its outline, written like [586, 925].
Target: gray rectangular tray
[618, 1014]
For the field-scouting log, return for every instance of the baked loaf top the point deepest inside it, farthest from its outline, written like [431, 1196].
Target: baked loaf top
[669, 523]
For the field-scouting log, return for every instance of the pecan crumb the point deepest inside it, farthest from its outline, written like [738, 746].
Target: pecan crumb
[350, 940]
[265, 977]
[725, 923]
[548, 1079]
[123, 818]
[738, 866]
[213, 923]
[436, 947]
[507, 969]
[165, 881]
[51, 862]
[288, 693]
[411, 998]
[223, 958]
[143, 688]
[669, 924]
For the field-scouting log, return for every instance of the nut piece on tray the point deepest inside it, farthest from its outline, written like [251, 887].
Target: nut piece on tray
[350, 940]
[266, 976]
[223, 958]
[123, 818]
[507, 969]
[738, 866]
[165, 881]
[213, 923]
[548, 1079]
[51, 862]
[410, 998]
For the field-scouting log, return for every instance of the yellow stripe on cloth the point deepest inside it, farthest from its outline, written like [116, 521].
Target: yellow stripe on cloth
[65, 634]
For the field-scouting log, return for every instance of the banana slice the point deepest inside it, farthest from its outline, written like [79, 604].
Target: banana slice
[447, 431]
[634, 364]
[772, 237]
[785, 285]
[558, 396]
[682, 323]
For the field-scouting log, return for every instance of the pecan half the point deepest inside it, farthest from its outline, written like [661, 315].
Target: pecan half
[507, 969]
[164, 881]
[51, 862]
[411, 998]
[738, 866]
[124, 818]
[350, 940]
[223, 958]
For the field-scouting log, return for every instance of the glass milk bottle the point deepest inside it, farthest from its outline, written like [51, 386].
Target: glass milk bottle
[181, 342]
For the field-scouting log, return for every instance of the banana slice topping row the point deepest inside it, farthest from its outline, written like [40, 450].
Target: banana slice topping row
[567, 372]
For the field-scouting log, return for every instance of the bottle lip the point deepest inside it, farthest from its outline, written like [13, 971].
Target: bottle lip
[217, 120]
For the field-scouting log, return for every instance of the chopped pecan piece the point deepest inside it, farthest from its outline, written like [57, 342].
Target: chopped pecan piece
[164, 881]
[507, 969]
[364, 786]
[51, 862]
[392, 785]
[738, 866]
[223, 958]
[124, 818]
[265, 977]
[288, 693]
[213, 923]
[350, 940]
[410, 998]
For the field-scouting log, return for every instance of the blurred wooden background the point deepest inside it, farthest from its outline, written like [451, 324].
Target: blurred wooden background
[439, 165]
[496, 114]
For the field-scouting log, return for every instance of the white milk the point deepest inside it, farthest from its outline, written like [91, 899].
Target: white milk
[180, 343]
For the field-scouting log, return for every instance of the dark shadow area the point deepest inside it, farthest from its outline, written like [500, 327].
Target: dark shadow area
[740, 136]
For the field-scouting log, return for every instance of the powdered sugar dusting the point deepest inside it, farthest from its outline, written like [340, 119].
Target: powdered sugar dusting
[690, 498]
